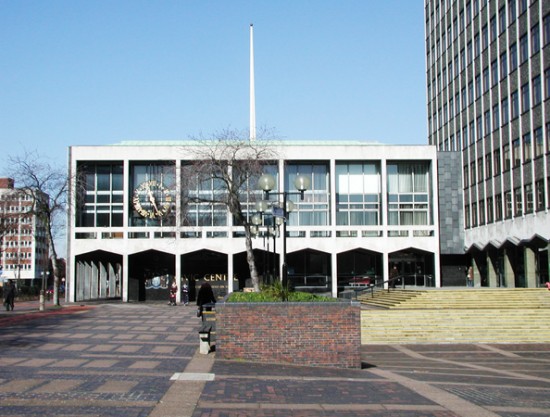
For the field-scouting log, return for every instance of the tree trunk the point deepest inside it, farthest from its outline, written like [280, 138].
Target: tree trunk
[250, 259]
[55, 268]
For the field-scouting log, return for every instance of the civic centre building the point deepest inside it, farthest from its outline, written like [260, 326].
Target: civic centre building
[132, 229]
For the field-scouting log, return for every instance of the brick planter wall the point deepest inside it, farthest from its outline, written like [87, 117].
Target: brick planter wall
[314, 334]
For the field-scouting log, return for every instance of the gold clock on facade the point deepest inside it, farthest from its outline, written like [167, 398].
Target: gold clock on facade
[152, 199]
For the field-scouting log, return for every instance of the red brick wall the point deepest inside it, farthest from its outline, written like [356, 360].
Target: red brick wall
[314, 334]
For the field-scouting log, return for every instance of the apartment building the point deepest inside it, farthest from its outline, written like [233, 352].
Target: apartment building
[24, 245]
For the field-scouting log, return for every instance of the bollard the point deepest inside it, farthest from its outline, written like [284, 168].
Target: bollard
[204, 340]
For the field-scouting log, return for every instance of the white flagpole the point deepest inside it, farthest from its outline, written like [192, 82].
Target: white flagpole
[252, 92]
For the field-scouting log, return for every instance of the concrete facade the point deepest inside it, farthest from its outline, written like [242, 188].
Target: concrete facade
[118, 249]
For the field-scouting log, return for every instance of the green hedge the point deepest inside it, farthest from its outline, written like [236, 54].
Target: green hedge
[270, 297]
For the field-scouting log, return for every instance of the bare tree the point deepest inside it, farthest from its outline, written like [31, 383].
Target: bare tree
[47, 185]
[225, 169]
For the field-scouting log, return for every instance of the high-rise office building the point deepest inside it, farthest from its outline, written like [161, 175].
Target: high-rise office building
[488, 99]
[24, 249]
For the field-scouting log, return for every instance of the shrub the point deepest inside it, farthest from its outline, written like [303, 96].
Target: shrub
[276, 293]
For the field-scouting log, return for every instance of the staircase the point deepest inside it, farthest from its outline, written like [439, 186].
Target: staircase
[456, 316]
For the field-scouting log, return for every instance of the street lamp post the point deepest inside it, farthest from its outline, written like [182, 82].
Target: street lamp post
[267, 183]
[43, 290]
[270, 231]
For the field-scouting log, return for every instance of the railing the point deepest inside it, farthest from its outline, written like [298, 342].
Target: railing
[393, 282]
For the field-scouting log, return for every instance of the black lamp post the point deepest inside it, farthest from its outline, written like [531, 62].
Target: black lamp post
[271, 231]
[267, 183]
[43, 290]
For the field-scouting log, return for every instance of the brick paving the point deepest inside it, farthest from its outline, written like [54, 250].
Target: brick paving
[102, 360]
[137, 360]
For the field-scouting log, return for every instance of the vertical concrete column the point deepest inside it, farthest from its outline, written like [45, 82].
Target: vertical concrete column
[530, 263]
[178, 277]
[125, 278]
[94, 283]
[508, 273]
[334, 273]
[230, 273]
[112, 279]
[385, 268]
[477, 274]
[491, 273]
[102, 280]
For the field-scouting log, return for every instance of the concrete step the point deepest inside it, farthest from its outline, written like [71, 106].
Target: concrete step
[401, 326]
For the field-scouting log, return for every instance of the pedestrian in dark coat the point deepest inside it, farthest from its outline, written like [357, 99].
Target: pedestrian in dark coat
[205, 296]
[9, 295]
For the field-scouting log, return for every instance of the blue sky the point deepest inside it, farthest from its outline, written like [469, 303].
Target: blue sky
[76, 72]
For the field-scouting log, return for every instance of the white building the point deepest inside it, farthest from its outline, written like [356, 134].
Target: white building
[369, 206]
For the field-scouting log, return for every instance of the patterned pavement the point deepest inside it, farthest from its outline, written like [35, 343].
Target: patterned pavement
[106, 360]
[137, 360]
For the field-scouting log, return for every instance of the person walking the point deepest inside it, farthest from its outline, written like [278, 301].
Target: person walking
[394, 273]
[185, 294]
[470, 277]
[9, 295]
[173, 292]
[205, 296]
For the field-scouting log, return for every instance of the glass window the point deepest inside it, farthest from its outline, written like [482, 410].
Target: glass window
[504, 111]
[516, 156]
[546, 29]
[513, 57]
[493, 24]
[488, 166]
[358, 194]
[490, 218]
[486, 80]
[506, 156]
[152, 194]
[547, 83]
[498, 206]
[539, 142]
[537, 90]
[314, 209]
[494, 72]
[523, 49]
[535, 39]
[525, 98]
[496, 117]
[508, 204]
[512, 10]
[529, 203]
[100, 196]
[488, 128]
[480, 169]
[503, 65]
[502, 19]
[515, 104]
[527, 147]
[409, 200]
[522, 6]
[540, 194]
[518, 200]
